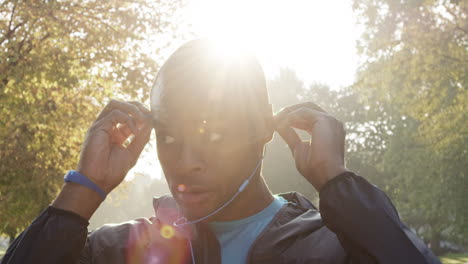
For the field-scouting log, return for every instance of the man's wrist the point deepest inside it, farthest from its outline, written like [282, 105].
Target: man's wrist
[78, 199]
[77, 177]
[335, 180]
[326, 172]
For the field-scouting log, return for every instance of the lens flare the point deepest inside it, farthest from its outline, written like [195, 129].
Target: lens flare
[181, 187]
[167, 231]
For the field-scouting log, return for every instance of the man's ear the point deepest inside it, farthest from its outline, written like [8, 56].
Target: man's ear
[269, 125]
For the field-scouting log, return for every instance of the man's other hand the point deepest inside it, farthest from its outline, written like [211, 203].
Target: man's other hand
[320, 158]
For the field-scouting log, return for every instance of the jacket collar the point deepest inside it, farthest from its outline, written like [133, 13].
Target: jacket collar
[297, 218]
[167, 212]
[166, 209]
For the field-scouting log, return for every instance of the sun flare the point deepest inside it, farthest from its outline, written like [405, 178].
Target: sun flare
[314, 38]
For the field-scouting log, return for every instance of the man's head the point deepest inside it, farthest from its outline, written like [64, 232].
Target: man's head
[212, 120]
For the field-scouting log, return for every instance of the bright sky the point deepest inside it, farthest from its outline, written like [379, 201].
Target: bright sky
[314, 38]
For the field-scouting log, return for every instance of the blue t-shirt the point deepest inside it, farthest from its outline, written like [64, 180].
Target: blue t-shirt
[236, 237]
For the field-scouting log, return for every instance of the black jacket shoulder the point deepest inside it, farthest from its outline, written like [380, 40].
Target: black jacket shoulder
[297, 234]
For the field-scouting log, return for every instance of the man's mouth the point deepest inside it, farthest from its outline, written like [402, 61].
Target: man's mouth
[192, 195]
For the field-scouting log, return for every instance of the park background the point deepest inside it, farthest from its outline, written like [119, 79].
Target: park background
[395, 71]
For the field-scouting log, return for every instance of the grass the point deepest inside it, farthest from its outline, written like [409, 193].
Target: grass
[461, 258]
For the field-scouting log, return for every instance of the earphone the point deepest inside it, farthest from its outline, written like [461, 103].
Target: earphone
[182, 221]
[156, 98]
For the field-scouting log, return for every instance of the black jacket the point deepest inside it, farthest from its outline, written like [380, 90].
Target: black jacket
[357, 224]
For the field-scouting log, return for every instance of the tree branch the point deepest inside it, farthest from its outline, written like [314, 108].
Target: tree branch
[10, 30]
[11, 17]
[461, 29]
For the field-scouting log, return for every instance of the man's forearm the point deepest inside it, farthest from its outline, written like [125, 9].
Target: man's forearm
[55, 236]
[59, 233]
[78, 199]
[367, 223]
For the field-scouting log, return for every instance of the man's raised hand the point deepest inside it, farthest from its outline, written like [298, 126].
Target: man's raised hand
[320, 158]
[104, 158]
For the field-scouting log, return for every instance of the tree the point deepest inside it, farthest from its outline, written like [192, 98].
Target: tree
[416, 54]
[60, 62]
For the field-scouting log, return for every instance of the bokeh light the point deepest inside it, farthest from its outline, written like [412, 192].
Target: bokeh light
[167, 231]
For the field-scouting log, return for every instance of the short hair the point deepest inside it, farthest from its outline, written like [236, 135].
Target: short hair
[197, 71]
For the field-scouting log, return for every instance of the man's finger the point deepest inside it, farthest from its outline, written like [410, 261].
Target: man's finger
[306, 115]
[117, 117]
[310, 105]
[146, 112]
[124, 107]
[288, 134]
[286, 113]
[139, 142]
[140, 106]
[301, 118]
[121, 133]
[295, 107]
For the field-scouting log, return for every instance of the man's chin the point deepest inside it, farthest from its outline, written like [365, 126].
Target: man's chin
[194, 212]
[194, 215]
[197, 213]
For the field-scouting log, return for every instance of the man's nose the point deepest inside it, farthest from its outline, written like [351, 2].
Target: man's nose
[191, 159]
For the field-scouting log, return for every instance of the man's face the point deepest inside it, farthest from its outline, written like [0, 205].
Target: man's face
[205, 153]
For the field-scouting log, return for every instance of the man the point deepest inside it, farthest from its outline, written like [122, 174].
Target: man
[212, 120]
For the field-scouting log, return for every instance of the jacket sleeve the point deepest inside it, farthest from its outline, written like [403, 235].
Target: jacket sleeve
[55, 236]
[367, 223]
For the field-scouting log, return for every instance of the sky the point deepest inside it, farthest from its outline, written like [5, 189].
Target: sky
[316, 39]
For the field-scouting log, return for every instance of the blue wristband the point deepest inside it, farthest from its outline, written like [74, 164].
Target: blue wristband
[76, 177]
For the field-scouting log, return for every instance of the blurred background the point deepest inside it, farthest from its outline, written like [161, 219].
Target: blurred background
[395, 71]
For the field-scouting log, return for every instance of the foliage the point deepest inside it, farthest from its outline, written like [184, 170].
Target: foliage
[60, 61]
[416, 57]
[454, 259]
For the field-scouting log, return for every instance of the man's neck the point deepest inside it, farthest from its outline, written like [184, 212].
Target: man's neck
[255, 197]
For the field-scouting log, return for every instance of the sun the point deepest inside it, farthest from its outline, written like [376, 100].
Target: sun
[314, 38]
[233, 23]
